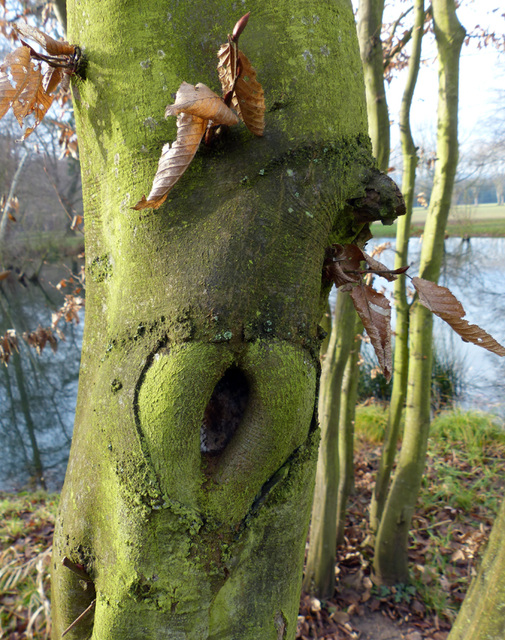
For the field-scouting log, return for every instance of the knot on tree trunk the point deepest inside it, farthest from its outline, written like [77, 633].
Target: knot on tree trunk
[383, 200]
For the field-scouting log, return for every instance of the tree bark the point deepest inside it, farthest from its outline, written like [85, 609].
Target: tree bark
[369, 35]
[202, 320]
[347, 415]
[319, 576]
[391, 558]
[402, 307]
[482, 614]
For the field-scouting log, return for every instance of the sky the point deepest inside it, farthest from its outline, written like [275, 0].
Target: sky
[482, 71]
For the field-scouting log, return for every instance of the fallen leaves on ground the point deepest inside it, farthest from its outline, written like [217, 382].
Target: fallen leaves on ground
[445, 545]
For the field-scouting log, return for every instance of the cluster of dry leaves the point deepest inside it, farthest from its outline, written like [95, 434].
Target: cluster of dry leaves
[200, 112]
[24, 86]
[343, 267]
[42, 336]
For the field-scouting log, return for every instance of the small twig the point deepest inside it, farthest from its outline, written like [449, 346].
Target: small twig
[79, 618]
[76, 568]
[434, 525]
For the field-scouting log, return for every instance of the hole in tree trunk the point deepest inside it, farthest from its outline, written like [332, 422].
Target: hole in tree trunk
[224, 412]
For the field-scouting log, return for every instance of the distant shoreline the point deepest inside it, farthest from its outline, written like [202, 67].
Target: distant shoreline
[465, 221]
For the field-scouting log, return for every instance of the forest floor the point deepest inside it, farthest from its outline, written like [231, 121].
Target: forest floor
[458, 501]
[450, 528]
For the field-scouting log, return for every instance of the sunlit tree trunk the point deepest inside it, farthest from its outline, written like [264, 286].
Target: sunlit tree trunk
[402, 307]
[347, 414]
[319, 576]
[391, 559]
[190, 480]
[370, 44]
[482, 614]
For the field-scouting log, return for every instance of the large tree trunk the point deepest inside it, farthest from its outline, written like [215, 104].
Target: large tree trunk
[402, 307]
[482, 614]
[190, 479]
[391, 558]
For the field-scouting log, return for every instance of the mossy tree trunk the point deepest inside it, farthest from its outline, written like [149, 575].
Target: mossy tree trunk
[482, 614]
[190, 480]
[391, 559]
[402, 307]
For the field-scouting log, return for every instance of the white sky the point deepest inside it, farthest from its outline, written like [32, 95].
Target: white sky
[482, 71]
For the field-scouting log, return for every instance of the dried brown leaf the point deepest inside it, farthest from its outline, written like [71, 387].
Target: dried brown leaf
[375, 312]
[25, 100]
[202, 102]
[19, 63]
[440, 301]
[342, 264]
[5, 274]
[8, 344]
[174, 160]
[40, 337]
[227, 66]
[53, 47]
[248, 99]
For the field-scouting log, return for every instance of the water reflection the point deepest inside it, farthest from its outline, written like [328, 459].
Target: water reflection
[475, 273]
[37, 392]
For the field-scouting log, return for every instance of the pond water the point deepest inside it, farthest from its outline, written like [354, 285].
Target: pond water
[474, 271]
[38, 392]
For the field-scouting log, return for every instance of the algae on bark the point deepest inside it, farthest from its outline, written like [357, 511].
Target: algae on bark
[219, 289]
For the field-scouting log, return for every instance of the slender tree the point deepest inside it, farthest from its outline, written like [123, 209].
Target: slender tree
[391, 559]
[188, 491]
[402, 307]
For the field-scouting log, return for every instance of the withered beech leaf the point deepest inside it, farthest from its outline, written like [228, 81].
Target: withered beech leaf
[248, 99]
[342, 264]
[19, 63]
[440, 301]
[8, 344]
[238, 76]
[52, 46]
[202, 102]
[174, 160]
[40, 337]
[375, 312]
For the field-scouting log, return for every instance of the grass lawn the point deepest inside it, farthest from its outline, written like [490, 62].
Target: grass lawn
[464, 220]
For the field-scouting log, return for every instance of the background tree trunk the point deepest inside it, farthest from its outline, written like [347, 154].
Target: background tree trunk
[401, 346]
[391, 559]
[188, 507]
[320, 569]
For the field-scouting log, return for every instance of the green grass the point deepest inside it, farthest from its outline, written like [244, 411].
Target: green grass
[464, 220]
[461, 491]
